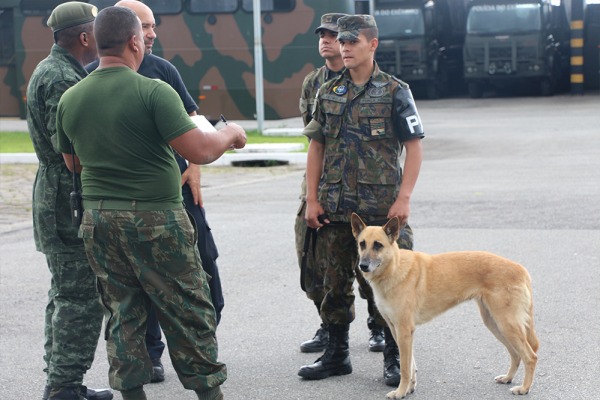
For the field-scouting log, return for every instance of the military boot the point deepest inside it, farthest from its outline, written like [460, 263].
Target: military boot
[377, 338]
[335, 360]
[89, 394]
[136, 393]
[391, 360]
[66, 393]
[318, 343]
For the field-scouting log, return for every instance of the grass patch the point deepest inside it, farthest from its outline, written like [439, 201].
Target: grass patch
[15, 142]
[19, 142]
[255, 138]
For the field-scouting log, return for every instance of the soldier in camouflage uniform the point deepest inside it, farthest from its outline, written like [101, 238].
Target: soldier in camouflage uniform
[362, 122]
[140, 242]
[74, 312]
[312, 269]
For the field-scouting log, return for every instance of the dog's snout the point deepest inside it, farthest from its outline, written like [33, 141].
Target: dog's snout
[364, 266]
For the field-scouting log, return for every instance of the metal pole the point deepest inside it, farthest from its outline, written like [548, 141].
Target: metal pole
[258, 66]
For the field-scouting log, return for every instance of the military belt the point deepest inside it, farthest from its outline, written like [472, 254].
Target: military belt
[130, 205]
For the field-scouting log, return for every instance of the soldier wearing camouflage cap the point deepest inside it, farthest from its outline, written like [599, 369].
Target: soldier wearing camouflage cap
[74, 312]
[311, 275]
[362, 122]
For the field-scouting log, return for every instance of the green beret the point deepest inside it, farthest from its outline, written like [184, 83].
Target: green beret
[349, 27]
[329, 22]
[70, 14]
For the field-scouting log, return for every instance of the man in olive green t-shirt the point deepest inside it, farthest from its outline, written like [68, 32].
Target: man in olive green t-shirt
[139, 240]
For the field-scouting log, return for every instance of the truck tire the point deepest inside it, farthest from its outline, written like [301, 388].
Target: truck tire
[475, 90]
[547, 87]
[433, 92]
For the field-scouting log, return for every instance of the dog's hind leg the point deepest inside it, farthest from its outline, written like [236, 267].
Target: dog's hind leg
[515, 360]
[514, 324]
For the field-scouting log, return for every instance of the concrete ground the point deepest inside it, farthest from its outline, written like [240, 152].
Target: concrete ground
[515, 176]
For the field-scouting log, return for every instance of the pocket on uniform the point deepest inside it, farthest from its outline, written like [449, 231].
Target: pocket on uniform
[74, 276]
[376, 199]
[377, 118]
[330, 193]
[150, 233]
[334, 117]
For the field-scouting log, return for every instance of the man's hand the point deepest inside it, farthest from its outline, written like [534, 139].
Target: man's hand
[400, 209]
[313, 211]
[191, 177]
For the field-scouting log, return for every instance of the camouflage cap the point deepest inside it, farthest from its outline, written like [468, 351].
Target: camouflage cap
[349, 26]
[70, 14]
[329, 22]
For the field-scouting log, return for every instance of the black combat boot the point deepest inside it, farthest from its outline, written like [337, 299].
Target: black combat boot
[377, 338]
[335, 360]
[66, 393]
[86, 393]
[158, 371]
[391, 360]
[318, 343]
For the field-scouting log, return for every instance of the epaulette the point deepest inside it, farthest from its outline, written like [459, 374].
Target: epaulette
[403, 84]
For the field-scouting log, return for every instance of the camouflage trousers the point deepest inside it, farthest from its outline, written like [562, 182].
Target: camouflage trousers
[314, 277]
[73, 319]
[341, 259]
[150, 257]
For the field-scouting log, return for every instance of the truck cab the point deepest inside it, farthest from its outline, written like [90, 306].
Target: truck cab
[420, 42]
[510, 42]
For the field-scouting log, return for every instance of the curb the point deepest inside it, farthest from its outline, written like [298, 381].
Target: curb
[225, 160]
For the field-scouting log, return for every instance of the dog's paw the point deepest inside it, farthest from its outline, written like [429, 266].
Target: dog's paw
[519, 390]
[503, 379]
[396, 394]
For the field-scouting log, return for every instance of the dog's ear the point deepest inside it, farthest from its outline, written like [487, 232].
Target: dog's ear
[357, 225]
[392, 229]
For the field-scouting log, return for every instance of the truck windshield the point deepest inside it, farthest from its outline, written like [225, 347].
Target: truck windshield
[399, 22]
[504, 18]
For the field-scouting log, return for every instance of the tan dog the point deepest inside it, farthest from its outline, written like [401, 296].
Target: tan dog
[411, 288]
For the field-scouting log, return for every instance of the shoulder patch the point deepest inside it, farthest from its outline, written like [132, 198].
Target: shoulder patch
[340, 90]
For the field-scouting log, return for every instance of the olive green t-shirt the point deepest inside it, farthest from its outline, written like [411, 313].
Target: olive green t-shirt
[120, 123]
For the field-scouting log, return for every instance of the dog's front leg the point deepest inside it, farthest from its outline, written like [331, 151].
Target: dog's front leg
[413, 379]
[404, 337]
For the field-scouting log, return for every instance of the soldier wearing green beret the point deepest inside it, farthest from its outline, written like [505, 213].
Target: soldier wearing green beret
[363, 121]
[74, 312]
[311, 267]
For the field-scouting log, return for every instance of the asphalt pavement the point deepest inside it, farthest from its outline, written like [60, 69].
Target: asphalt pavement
[519, 177]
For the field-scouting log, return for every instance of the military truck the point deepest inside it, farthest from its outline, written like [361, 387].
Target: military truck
[211, 42]
[420, 42]
[511, 42]
[591, 46]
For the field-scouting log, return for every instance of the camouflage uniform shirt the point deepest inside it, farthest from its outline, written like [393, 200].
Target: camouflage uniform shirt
[363, 129]
[312, 82]
[53, 232]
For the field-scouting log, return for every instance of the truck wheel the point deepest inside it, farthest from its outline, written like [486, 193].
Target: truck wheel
[546, 87]
[475, 90]
[433, 93]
